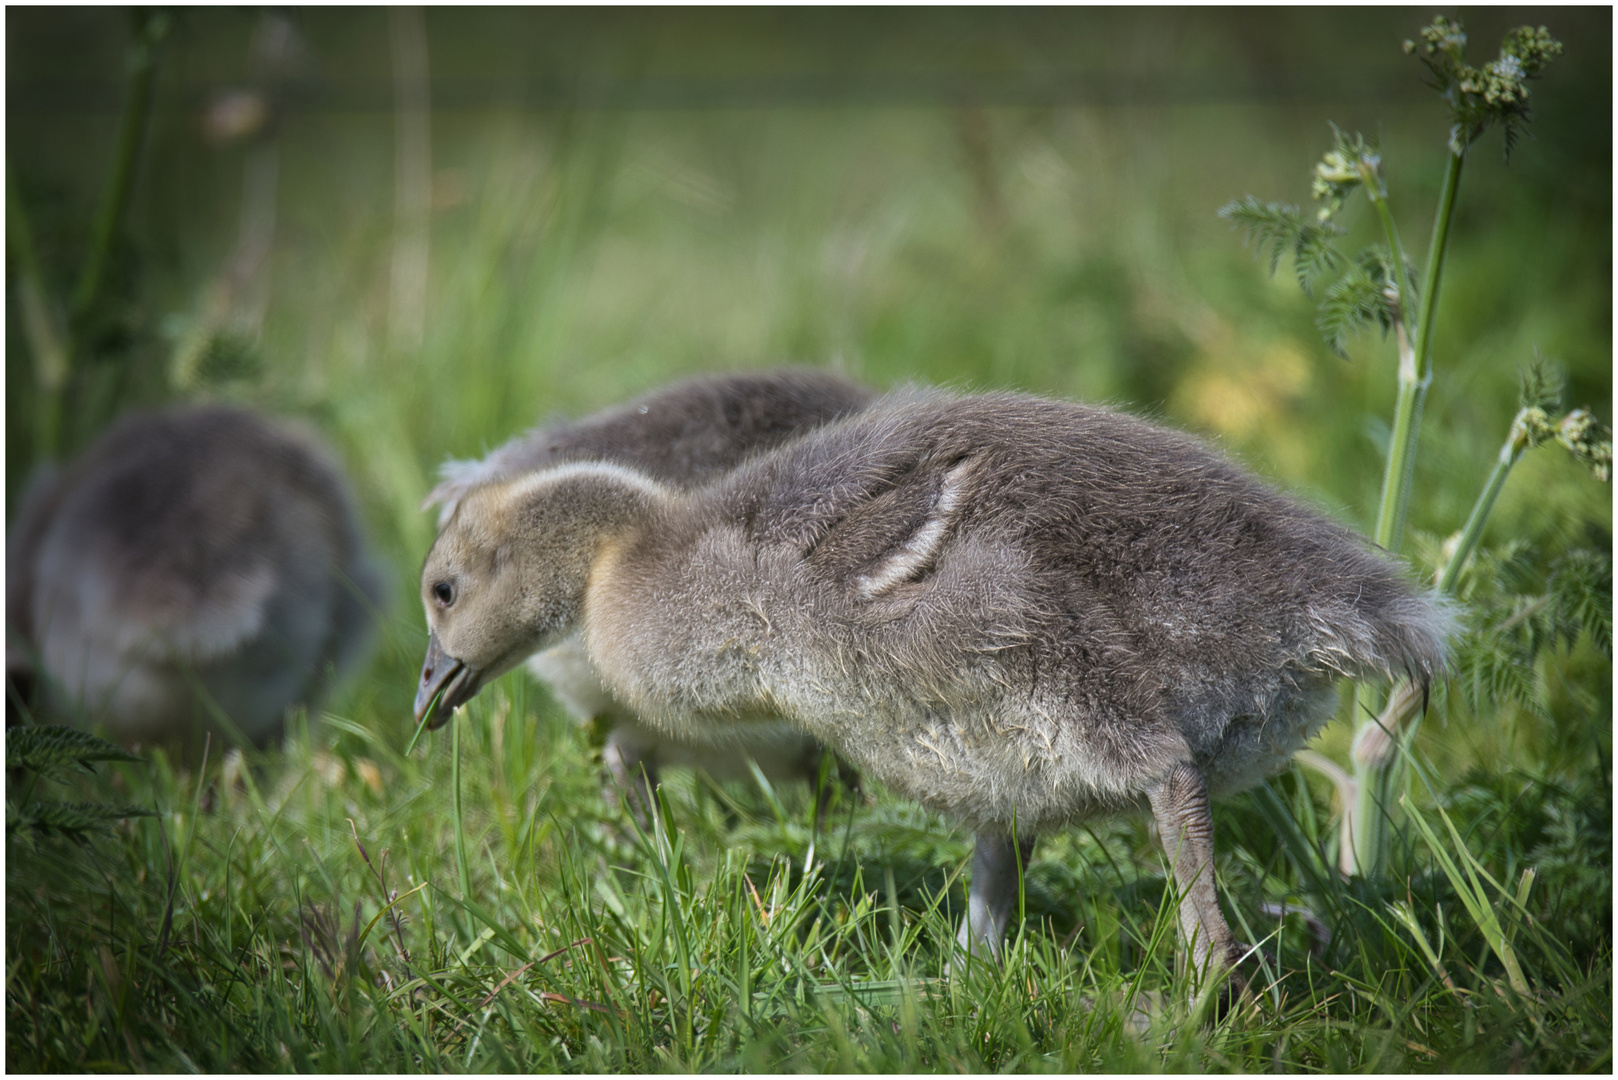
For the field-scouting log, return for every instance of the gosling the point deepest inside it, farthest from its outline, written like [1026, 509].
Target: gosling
[196, 572]
[684, 436]
[1022, 613]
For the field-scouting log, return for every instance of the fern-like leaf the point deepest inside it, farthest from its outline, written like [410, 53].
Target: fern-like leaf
[1581, 585]
[48, 749]
[1519, 611]
[1511, 130]
[72, 820]
[1494, 670]
[1539, 386]
[1355, 300]
[1270, 227]
[1313, 255]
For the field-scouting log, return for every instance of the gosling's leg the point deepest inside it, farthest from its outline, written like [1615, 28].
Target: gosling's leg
[1185, 826]
[991, 904]
[632, 764]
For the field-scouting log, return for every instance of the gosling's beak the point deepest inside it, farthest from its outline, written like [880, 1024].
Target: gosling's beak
[448, 680]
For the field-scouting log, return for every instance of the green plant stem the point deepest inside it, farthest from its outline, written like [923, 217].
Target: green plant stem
[1415, 360]
[1377, 742]
[1436, 251]
[1368, 830]
[51, 360]
[1369, 826]
[150, 28]
[1412, 379]
[1510, 452]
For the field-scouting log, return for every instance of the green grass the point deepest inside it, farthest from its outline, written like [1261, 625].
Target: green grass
[251, 929]
[1065, 247]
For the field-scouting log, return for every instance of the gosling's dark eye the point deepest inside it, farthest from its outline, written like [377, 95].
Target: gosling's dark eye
[445, 593]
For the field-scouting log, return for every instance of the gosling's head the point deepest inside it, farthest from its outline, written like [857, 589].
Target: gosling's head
[507, 575]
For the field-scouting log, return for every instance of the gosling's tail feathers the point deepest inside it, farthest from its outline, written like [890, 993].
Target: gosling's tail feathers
[1401, 635]
[1415, 636]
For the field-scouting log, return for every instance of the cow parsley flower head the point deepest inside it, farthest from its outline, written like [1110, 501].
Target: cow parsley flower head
[1497, 92]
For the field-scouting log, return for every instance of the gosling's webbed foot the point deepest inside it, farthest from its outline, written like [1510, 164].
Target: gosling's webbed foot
[1232, 956]
[1241, 955]
[632, 777]
[1241, 967]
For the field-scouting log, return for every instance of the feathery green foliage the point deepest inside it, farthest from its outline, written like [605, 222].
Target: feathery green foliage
[1357, 299]
[49, 752]
[50, 748]
[1518, 609]
[73, 820]
[1366, 290]
[1280, 229]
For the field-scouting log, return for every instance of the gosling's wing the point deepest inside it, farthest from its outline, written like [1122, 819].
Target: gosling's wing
[872, 503]
[802, 495]
[896, 536]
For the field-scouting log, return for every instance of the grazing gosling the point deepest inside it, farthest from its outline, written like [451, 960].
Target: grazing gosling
[1021, 613]
[192, 563]
[684, 435]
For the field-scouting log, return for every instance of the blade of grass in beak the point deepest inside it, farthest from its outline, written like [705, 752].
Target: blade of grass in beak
[422, 725]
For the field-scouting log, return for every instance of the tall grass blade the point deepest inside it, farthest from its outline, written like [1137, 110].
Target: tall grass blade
[1407, 918]
[1469, 888]
[463, 868]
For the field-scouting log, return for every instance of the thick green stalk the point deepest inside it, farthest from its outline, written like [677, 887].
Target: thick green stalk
[150, 28]
[1415, 360]
[1436, 251]
[1373, 770]
[1390, 515]
[1412, 383]
[1510, 452]
[1369, 831]
[39, 329]
[1365, 830]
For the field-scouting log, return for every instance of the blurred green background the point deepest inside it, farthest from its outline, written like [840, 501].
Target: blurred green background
[427, 231]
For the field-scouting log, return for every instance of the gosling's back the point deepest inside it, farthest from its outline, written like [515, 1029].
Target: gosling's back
[1006, 605]
[201, 547]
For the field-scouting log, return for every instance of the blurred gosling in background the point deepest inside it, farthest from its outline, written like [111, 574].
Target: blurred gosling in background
[196, 571]
[685, 436]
